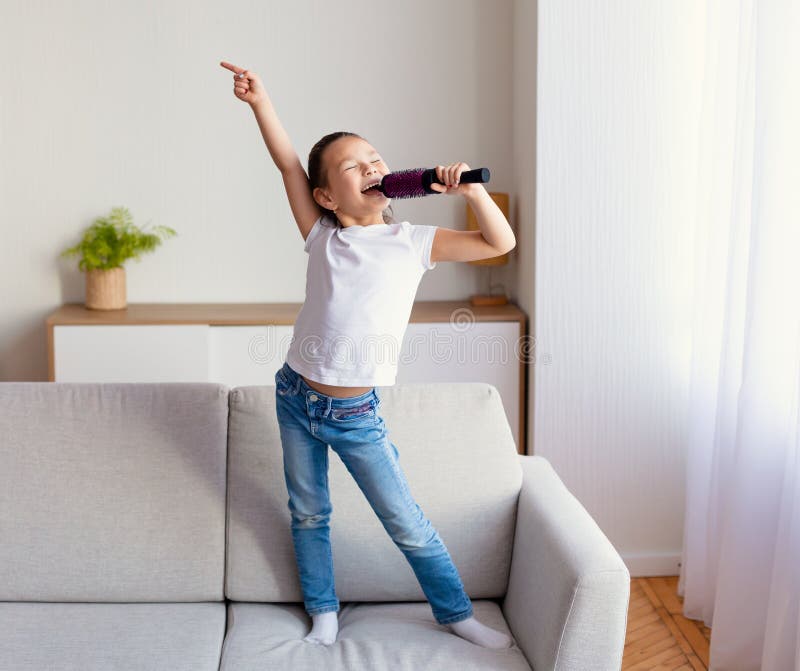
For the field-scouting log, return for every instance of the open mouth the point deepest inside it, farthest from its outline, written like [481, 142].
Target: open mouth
[373, 189]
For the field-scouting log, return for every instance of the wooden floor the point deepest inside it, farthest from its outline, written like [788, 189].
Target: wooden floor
[658, 636]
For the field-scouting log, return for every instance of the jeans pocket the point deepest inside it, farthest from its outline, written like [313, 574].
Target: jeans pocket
[354, 413]
[283, 385]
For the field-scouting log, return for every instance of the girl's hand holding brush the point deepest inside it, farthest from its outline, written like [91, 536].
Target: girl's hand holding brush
[450, 176]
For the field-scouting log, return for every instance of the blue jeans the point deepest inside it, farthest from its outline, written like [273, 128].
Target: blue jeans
[309, 421]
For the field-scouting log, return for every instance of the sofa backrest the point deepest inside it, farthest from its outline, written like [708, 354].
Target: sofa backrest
[112, 492]
[458, 454]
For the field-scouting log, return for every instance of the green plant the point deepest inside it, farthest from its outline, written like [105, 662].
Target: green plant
[112, 240]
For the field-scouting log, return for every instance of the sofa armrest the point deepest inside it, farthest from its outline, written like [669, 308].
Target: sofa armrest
[568, 589]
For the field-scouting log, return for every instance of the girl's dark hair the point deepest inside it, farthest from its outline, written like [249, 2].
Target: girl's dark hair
[318, 173]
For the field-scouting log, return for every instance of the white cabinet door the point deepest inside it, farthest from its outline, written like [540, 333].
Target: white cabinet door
[469, 352]
[145, 353]
[239, 356]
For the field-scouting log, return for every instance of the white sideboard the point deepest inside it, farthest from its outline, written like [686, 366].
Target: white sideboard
[245, 344]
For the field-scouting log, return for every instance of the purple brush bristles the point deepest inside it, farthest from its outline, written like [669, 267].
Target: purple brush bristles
[405, 184]
[417, 182]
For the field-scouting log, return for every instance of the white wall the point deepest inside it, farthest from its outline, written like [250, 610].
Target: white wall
[524, 96]
[105, 104]
[618, 97]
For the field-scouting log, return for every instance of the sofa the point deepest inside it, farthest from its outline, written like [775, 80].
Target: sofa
[145, 526]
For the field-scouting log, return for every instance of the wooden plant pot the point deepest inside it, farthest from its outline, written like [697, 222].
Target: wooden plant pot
[105, 289]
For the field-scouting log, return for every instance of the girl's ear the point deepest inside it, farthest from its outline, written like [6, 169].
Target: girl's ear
[322, 199]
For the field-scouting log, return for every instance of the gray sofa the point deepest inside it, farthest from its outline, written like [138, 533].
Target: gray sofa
[145, 526]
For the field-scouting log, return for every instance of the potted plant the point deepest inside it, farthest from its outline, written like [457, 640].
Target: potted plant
[106, 245]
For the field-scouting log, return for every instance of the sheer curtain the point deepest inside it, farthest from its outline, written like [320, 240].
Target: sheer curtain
[740, 572]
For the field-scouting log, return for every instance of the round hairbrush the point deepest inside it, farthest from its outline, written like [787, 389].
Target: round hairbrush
[417, 182]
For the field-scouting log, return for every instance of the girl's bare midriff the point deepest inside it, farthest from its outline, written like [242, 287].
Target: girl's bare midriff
[338, 392]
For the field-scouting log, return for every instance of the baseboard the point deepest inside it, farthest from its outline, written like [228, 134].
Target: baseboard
[642, 565]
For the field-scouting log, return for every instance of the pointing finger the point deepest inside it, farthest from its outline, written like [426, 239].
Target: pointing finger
[231, 67]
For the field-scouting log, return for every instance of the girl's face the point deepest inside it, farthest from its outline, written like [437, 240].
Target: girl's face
[352, 164]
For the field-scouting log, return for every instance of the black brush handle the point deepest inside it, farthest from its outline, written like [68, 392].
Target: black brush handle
[474, 176]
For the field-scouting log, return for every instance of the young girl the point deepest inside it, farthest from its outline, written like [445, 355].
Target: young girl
[363, 273]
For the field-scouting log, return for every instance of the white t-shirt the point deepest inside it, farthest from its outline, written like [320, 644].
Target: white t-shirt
[360, 287]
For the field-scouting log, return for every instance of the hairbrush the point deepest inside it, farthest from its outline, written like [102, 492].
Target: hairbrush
[417, 182]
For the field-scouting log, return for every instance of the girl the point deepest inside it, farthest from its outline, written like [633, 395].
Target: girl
[363, 273]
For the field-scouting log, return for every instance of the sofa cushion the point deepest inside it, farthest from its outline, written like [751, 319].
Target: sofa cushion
[104, 636]
[457, 451]
[112, 491]
[378, 637]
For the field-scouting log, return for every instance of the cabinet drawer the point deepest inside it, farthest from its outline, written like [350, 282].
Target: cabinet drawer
[146, 353]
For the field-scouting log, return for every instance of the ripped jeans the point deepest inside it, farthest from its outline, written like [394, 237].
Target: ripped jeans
[309, 421]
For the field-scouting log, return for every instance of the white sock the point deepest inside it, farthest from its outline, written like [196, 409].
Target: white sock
[480, 634]
[325, 628]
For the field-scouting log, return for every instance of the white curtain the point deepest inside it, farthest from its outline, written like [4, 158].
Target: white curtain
[740, 572]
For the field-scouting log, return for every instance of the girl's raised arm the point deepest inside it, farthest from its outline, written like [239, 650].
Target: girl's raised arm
[249, 88]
